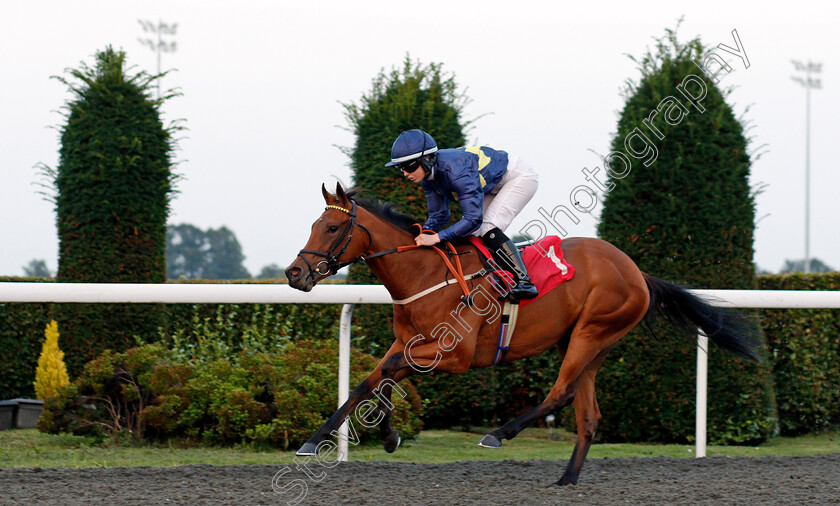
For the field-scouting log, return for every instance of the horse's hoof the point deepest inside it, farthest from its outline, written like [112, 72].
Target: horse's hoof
[392, 445]
[392, 442]
[490, 441]
[307, 450]
[562, 482]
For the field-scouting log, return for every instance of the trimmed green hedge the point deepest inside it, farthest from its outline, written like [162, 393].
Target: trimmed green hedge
[22, 330]
[113, 183]
[804, 350]
[646, 392]
[803, 353]
[487, 397]
[21, 335]
[682, 208]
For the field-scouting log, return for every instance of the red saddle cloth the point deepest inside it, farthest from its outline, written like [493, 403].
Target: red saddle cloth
[545, 263]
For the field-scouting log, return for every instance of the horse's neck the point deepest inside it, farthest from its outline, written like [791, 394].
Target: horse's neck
[403, 273]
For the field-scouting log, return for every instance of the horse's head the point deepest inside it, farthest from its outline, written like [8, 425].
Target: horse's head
[336, 240]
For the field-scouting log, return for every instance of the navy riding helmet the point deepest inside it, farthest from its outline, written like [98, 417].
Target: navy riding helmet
[410, 145]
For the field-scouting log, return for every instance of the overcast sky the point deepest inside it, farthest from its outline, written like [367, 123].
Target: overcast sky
[263, 84]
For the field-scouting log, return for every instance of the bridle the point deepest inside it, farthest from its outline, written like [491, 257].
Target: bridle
[330, 257]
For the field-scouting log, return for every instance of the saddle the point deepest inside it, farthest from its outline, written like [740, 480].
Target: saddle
[543, 259]
[547, 269]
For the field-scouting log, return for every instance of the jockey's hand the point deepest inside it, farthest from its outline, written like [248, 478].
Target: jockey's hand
[427, 239]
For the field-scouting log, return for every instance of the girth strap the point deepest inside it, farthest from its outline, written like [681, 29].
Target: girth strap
[509, 316]
[438, 286]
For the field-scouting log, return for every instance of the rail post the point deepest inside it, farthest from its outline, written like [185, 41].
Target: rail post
[344, 374]
[700, 408]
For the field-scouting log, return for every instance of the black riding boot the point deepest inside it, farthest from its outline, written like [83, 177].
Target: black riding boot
[506, 254]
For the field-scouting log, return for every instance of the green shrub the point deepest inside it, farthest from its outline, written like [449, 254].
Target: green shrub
[107, 398]
[229, 331]
[804, 351]
[241, 326]
[307, 387]
[278, 400]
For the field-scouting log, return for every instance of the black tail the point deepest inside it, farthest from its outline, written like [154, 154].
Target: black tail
[732, 331]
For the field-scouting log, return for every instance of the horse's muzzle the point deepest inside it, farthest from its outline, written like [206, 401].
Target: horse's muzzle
[299, 278]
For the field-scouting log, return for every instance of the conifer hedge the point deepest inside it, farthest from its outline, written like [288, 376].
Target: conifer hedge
[683, 212]
[413, 96]
[21, 336]
[114, 182]
[804, 350]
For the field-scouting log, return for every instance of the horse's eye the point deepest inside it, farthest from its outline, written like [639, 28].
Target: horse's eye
[333, 229]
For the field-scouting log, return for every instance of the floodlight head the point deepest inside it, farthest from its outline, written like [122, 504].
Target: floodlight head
[148, 26]
[168, 29]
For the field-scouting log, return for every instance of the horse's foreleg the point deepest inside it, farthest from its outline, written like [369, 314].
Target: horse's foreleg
[420, 357]
[359, 394]
[510, 430]
[374, 384]
[393, 370]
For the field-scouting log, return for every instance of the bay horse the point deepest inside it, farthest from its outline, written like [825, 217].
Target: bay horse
[583, 317]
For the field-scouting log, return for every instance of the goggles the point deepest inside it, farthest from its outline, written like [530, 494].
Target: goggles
[410, 166]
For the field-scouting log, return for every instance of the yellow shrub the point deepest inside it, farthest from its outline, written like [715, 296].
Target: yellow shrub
[51, 374]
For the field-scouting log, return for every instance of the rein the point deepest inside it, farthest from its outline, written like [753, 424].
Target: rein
[458, 271]
[333, 264]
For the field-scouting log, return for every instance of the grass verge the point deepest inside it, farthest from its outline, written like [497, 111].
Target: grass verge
[30, 448]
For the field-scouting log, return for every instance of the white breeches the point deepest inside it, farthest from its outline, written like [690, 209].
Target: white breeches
[509, 197]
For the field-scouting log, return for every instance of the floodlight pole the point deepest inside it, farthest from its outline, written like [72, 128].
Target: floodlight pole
[159, 41]
[160, 46]
[808, 83]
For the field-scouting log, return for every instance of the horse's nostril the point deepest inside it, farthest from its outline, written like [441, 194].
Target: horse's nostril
[294, 272]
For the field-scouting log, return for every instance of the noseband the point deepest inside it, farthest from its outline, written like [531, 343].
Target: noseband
[331, 257]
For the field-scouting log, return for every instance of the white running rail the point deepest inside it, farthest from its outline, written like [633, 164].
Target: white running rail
[350, 295]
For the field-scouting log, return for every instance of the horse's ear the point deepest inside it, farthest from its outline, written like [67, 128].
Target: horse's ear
[340, 195]
[329, 198]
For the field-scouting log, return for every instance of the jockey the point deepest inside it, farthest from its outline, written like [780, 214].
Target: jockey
[491, 187]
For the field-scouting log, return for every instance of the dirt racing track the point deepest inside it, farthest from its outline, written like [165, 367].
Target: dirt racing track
[808, 480]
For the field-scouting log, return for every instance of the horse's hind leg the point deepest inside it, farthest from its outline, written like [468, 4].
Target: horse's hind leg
[581, 353]
[588, 347]
[587, 416]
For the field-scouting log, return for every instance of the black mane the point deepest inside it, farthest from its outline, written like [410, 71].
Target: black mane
[386, 211]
